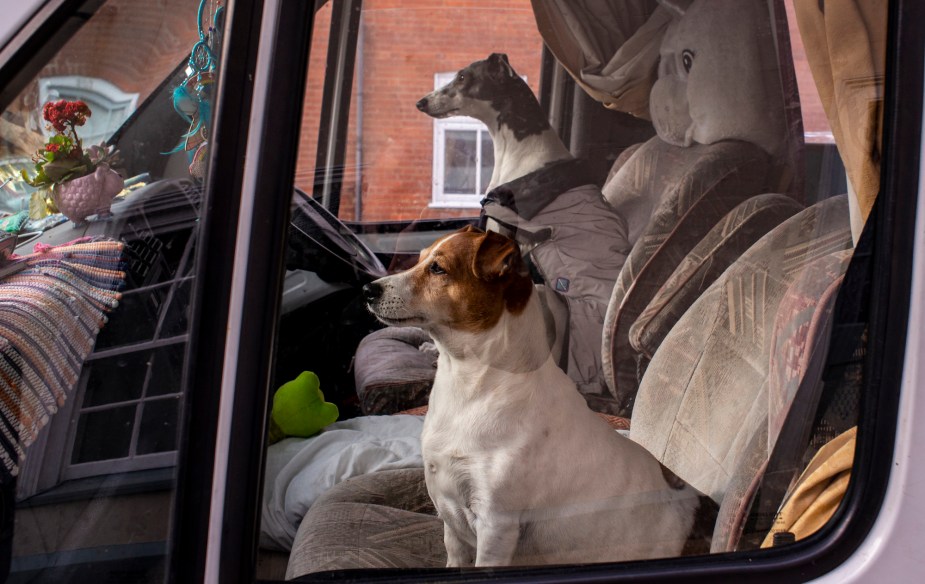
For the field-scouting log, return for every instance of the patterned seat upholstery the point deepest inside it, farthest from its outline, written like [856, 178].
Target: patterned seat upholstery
[693, 189]
[380, 520]
[735, 232]
[392, 372]
[703, 404]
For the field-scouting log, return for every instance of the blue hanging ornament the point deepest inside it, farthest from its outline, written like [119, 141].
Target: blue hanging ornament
[192, 99]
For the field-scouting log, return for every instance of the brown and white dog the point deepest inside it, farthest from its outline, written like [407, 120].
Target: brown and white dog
[518, 467]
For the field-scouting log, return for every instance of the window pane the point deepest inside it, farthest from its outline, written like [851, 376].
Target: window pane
[166, 367]
[94, 327]
[460, 162]
[488, 161]
[666, 250]
[158, 431]
[117, 379]
[104, 434]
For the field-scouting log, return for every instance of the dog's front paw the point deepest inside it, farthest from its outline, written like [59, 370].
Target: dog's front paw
[459, 554]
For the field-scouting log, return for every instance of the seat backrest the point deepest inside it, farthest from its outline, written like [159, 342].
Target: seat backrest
[716, 180]
[728, 129]
[799, 346]
[737, 231]
[702, 407]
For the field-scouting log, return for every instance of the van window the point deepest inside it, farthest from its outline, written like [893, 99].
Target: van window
[102, 197]
[677, 190]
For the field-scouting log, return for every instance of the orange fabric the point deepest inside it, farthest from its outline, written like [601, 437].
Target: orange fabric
[845, 45]
[819, 490]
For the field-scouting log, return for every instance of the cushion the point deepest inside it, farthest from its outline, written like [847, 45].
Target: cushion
[734, 234]
[378, 520]
[394, 370]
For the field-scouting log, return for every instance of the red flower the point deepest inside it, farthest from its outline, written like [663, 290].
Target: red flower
[62, 114]
[52, 147]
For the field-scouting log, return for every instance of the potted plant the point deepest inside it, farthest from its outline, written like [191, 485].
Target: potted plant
[80, 181]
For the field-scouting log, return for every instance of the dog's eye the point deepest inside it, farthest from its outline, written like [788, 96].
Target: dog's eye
[435, 268]
[460, 78]
[687, 59]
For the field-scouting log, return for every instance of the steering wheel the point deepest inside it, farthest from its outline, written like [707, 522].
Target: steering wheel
[321, 243]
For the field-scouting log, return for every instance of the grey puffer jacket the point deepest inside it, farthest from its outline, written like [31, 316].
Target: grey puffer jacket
[576, 244]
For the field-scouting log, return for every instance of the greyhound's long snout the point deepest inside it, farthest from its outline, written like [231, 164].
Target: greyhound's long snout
[422, 104]
[372, 292]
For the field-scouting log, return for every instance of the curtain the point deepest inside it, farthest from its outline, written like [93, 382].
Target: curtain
[610, 47]
[845, 44]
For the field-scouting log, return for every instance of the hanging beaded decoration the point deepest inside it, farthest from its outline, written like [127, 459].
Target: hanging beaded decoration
[193, 98]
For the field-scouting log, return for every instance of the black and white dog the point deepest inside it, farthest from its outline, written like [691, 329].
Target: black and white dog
[492, 92]
[546, 200]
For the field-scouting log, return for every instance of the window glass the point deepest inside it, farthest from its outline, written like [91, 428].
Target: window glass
[94, 308]
[508, 341]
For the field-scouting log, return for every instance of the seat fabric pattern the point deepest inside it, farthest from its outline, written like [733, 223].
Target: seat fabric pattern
[380, 520]
[734, 233]
[680, 193]
[392, 372]
[705, 394]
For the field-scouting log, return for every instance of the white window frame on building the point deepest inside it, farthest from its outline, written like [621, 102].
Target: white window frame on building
[110, 105]
[442, 199]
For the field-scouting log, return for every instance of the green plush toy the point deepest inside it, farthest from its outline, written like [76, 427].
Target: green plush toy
[299, 409]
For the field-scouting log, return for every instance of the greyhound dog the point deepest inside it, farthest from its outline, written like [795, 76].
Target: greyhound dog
[492, 92]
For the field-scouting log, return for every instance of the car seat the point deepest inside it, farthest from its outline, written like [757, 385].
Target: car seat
[704, 402]
[729, 128]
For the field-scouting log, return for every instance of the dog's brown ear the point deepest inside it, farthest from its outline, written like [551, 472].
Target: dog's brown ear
[469, 228]
[496, 256]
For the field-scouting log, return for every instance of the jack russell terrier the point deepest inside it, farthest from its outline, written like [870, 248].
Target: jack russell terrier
[520, 470]
[546, 200]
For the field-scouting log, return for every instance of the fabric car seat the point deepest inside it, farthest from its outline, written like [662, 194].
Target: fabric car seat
[648, 302]
[703, 407]
[729, 128]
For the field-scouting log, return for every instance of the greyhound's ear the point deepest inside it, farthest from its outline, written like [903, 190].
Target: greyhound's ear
[500, 65]
[496, 256]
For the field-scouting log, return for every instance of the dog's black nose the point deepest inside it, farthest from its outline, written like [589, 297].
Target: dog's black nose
[372, 292]
[422, 104]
